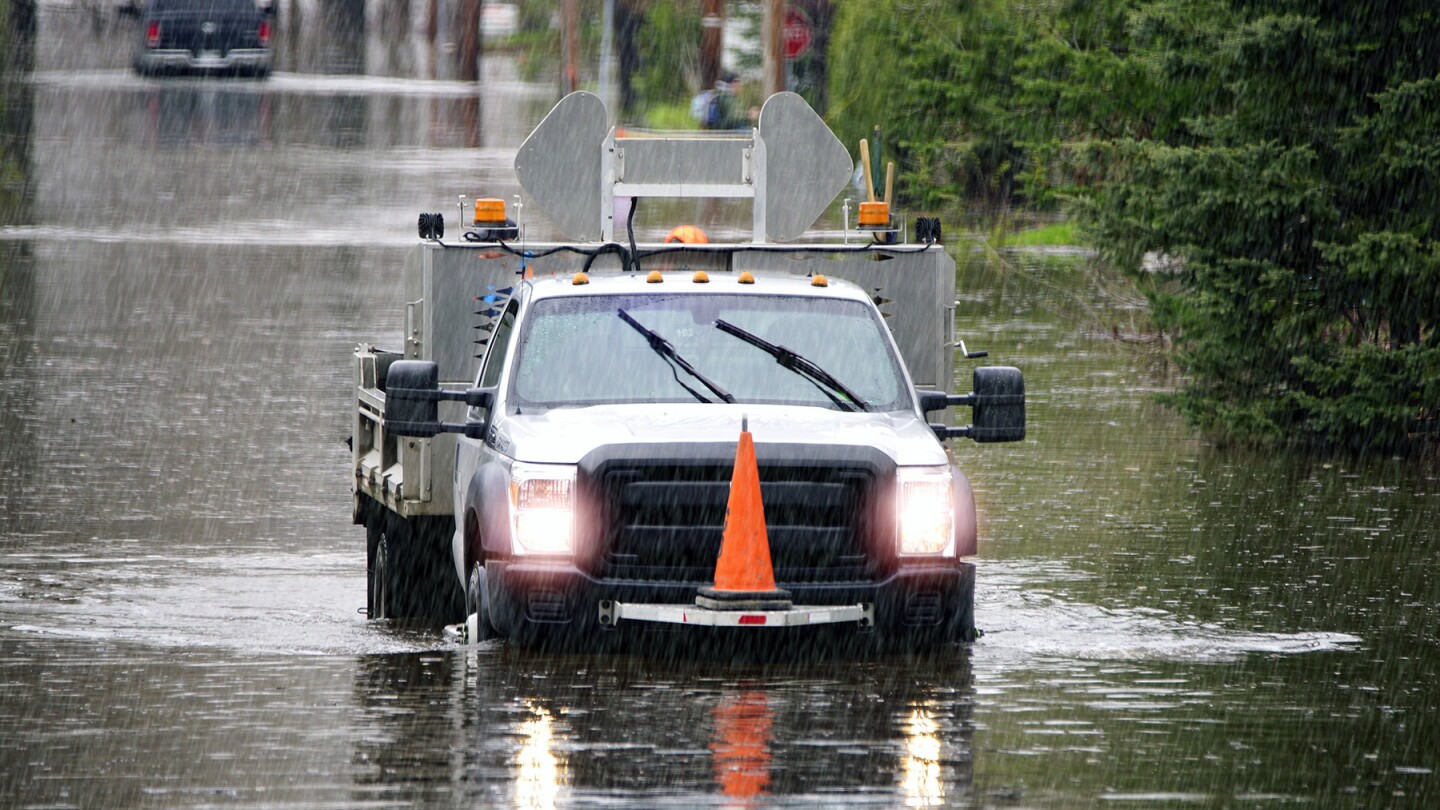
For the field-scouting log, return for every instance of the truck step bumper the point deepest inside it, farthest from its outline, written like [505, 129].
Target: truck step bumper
[611, 613]
[560, 606]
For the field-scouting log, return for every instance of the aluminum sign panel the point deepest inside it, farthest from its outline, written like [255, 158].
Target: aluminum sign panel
[559, 164]
[805, 166]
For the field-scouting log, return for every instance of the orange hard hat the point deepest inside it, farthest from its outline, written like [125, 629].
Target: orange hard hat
[686, 234]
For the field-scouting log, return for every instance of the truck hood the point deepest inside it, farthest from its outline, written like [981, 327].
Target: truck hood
[565, 435]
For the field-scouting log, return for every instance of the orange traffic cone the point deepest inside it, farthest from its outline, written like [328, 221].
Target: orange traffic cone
[744, 578]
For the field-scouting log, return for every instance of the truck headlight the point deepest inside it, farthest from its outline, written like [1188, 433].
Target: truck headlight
[925, 512]
[542, 505]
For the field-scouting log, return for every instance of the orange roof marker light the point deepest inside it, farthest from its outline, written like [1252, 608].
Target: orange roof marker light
[579, 278]
[654, 277]
[687, 234]
[819, 281]
[700, 277]
[744, 576]
[746, 277]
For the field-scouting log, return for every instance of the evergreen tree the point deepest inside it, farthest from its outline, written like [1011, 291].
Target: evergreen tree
[1295, 201]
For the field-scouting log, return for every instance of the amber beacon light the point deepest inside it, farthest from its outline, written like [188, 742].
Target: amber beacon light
[489, 212]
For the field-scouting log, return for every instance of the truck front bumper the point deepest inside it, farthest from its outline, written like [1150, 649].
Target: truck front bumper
[549, 604]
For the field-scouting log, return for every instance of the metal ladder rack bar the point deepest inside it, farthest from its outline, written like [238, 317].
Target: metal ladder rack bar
[790, 165]
[685, 165]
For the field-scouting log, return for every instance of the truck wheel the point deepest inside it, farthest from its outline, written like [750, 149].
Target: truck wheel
[477, 607]
[379, 596]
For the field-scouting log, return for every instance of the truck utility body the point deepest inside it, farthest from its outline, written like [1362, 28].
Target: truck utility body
[553, 455]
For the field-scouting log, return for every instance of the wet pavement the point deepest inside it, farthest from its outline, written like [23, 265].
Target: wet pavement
[1165, 624]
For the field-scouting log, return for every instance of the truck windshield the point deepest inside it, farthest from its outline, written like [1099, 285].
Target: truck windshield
[577, 351]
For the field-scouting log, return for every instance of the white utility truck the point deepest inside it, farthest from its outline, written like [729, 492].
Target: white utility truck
[594, 392]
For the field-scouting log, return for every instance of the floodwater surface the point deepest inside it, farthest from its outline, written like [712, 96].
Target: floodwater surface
[181, 590]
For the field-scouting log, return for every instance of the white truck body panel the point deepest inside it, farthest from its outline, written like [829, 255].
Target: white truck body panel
[564, 436]
[445, 286]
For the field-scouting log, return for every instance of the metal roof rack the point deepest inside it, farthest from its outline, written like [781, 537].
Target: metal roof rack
[791, 165]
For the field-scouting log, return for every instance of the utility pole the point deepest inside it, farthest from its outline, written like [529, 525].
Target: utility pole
[774, 47]
[469, 45]
[607, 59]
[712, 40]
[570, 47]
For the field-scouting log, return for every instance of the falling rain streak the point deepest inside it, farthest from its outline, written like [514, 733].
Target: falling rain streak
[185, 267]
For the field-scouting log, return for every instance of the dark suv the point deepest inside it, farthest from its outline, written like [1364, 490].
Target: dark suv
[204, 36]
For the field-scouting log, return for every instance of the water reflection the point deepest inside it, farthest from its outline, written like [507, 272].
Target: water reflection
[539, 772]
[184, 269]
[17, 331]
[740, 746]
[206, 116]
[1137, 587]
[18, 294]
[921, 775]
[502, 726]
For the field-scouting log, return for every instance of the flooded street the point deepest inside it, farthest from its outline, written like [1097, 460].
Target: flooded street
[182, 591]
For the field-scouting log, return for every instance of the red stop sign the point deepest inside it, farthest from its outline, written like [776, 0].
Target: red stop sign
[797, 33]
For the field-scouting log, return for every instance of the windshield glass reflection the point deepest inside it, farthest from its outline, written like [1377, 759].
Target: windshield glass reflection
[579, 351]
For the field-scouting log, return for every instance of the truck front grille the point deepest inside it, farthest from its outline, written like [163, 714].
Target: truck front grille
[665, 522]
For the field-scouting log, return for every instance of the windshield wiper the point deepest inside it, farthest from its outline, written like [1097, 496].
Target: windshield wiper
[805, 367]
[663, 348]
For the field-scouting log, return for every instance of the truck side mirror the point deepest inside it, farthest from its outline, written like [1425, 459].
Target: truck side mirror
[411, 398]
[999, 405]
[998, 397]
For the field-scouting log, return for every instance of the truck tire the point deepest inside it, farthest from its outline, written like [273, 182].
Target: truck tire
[411, 575]
[477, 604]
[389, 586]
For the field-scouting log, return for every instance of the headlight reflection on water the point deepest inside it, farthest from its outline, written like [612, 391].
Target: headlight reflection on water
[539, 772]
[920, 767]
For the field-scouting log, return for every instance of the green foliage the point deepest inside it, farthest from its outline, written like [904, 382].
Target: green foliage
[670, 117]
[1056, 234]
[670, 59]
[537, 40]
[985, 99]
[1268, 169]
[17, 53]
[536, 15]
[1297, 187]
[918, 83]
